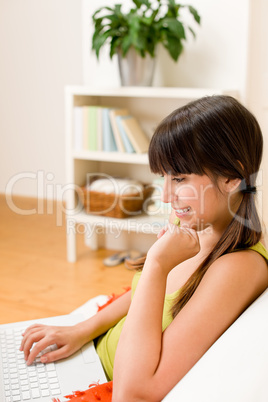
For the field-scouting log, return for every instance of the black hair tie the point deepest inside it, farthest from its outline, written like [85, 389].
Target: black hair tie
[249, 190]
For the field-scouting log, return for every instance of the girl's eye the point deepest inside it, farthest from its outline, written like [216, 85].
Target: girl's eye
[178, 179]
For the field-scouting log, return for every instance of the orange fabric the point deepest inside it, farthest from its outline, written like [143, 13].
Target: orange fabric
[113, 297]
[95, 392]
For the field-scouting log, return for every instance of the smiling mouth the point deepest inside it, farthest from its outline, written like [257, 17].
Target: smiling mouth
[182, 211]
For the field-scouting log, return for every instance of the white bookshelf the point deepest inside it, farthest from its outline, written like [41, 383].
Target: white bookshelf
[149, 106]
[115, 157]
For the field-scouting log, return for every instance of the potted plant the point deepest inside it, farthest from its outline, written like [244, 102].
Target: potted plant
[139, 31]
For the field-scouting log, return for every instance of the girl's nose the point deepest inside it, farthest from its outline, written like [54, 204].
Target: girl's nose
[168, 194]
[164, 197]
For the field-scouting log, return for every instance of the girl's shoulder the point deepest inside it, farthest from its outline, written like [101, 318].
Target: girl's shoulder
[249, 256]
[237, 277]
[260, 249]
[254, 256]
[247, 265]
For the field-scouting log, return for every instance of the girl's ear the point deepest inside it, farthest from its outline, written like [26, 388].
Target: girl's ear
[231, 185]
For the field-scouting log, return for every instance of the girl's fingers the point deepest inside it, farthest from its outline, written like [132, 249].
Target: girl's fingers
[161, 233]
[174, 220]
[58, 354]
[31, 328]
[30, 340]
[181, 242]
[29, 331]
[38, 338]
[38, 347]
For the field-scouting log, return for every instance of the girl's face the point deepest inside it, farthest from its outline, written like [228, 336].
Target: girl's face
[197, 201]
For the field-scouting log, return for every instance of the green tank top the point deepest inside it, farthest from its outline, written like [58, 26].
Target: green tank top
[107, 343]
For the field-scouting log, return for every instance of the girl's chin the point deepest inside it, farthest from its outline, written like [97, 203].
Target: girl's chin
[196, 224]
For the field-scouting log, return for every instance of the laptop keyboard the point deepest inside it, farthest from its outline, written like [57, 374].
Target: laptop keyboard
[22, 382]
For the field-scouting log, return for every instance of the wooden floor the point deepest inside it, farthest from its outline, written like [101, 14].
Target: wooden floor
[35, 278]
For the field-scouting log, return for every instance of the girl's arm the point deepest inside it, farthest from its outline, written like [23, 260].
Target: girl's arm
[156, 361]
[141, 338]
[70, 339]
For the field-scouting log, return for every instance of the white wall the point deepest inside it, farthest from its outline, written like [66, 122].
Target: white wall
[257, 87]
[45, 45]
[40, 53]
[216, 59]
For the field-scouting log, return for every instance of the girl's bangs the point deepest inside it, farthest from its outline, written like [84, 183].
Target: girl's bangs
[173, 149]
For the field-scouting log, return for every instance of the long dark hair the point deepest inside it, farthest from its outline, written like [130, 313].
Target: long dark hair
[218, 135]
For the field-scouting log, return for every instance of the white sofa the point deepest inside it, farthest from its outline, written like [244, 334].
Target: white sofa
[235, 368]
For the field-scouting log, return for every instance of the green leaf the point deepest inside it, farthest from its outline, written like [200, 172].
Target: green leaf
[117, 9]
[146, 20]
[192, 31]
[98, 24]
[116, 43]
[126, 43]
[99, 10]
[134, 28]
[172, 3]
[141, 42]
[139, 3]
[112, 18]
[146, 24]
[195, 14]
[173, 46]
[151, 46]
[98, 41]
[173, 9]
[175, 27]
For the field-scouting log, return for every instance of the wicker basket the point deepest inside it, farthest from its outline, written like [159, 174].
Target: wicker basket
[114, 205]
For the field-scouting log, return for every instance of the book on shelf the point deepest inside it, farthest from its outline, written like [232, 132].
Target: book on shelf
[92, 128]
[127, 144]
[114, 113]
[99, 128]
[89, 127]
[136, 135]
[108, 140]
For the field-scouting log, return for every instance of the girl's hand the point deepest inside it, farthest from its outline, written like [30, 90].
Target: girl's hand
[67, 339]
[162, 232]
[172, 219]
[174, 245]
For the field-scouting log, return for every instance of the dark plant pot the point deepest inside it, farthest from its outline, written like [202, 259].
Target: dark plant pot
[135, 70]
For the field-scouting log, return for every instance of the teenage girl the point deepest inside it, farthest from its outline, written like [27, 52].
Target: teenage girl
[197, 278]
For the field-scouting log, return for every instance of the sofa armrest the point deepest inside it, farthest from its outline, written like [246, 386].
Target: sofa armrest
[235, 368]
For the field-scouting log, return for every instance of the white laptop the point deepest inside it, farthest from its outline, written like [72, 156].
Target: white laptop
[43, 382]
